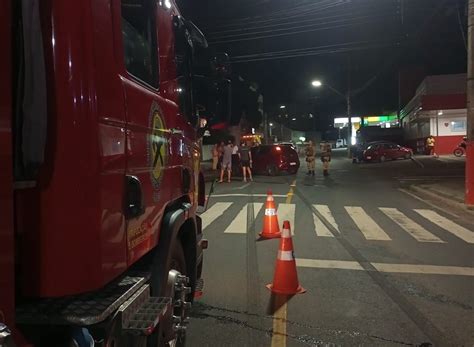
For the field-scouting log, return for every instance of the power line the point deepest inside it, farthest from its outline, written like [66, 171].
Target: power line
[318, 26]
[314, 21]
[276, 16]
[316, 52]
[291, 22]
[289, 33]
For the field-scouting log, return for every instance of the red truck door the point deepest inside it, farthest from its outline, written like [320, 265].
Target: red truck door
[147, 124]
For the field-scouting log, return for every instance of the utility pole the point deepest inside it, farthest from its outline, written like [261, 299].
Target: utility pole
[349, 111]
[470, 109]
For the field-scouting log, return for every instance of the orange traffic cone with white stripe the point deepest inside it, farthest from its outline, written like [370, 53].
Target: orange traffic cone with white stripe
[271, 229]
[285, 280]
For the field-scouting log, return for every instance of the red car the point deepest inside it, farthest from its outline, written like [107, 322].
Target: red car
[274, 159]
[386, 150]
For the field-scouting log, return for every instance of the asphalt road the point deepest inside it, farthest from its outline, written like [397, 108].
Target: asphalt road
[380, 267]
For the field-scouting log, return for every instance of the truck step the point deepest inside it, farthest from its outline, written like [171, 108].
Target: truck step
[142, 312]
[199, 288]
[84, 309]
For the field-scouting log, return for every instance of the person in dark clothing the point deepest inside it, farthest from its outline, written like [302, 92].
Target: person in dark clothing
[246, 161]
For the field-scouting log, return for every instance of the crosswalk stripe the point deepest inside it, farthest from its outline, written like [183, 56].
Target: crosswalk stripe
[410, 226]
[287, 212]
[446, 224]
[367, 225]
[321, 229]
[214, 212]
[239, 224]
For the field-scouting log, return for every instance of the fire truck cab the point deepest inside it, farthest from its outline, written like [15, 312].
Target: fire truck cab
[100, 239]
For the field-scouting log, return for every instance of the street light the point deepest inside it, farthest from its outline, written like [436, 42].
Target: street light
[282, 106]
[347, 97]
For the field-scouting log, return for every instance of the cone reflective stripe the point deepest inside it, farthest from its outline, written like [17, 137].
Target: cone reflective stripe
[271, 229]
[285, 280]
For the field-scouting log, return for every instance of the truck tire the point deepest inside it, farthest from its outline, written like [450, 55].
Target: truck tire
[166, 260]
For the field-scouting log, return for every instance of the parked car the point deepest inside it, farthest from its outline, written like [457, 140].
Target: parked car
[275, 159]
[359, 149]
[340, 143]
[382, 151]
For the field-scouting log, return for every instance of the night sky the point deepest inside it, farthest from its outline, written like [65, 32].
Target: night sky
[284, 44]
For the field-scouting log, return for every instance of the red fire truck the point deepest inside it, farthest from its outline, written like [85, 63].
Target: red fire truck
[100, 183]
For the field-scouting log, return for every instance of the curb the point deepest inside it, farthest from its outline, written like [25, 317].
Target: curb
[422, 192]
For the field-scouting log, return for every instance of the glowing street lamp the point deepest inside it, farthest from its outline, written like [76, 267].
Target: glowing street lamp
[316, 83]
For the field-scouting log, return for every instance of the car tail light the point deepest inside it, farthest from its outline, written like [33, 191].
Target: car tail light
[278, 148]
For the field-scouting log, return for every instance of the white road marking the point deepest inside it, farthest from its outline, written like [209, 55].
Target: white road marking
[446, 224]
[426, 202]
[243, 194]
[239, 224]
[243, 187]
[321, 229]
[287, 212]
[367, 225]
[410, 226]
[385, 267]
[214, 212]
[425, 269]
[329, 264]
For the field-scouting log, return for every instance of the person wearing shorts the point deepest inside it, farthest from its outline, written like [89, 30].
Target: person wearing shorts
[226, 162]
[246, 161]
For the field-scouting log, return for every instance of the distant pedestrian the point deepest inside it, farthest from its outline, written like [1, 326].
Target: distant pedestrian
[310, 153]
[430, 146]
[226, 162]
[326, 152]
[215, 156]
[235, 159]
[246, 161]
[220, 148]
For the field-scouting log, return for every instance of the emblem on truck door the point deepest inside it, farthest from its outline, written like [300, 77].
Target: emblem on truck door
[157, 145]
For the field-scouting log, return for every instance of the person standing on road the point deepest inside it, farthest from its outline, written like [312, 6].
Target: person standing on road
[246, 161]
[326, 152]
[430, 145]
[226, 162]
[220, 149]
[215, 156]
[310, 153]
[235, 159]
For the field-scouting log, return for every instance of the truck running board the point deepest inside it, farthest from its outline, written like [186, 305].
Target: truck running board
[141, 313]
[81, 310]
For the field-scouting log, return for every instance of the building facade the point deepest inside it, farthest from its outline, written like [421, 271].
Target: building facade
[437, 109]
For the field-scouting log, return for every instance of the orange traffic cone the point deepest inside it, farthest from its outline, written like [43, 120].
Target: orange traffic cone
[271, 229]
[285, 280]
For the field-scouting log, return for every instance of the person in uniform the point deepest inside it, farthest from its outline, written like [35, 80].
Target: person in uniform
[430, 145]
[326, 152]
[246, 161]
[310, 153]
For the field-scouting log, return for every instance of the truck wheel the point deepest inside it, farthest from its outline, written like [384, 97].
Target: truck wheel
[162, 284]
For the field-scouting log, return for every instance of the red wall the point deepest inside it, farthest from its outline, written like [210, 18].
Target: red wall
[447, 144]
[443, 102]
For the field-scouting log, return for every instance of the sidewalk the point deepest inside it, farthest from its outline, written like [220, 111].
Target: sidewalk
[444, 181]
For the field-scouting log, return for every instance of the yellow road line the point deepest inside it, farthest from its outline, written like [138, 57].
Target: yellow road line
[279, 321]
[280, 307]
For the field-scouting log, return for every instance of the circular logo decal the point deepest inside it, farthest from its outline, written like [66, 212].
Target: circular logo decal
[157, 146]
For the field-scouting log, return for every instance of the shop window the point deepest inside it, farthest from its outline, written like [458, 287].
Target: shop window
[139, 40]
[458, 126]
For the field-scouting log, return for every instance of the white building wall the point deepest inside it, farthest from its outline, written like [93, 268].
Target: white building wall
[449, 123]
